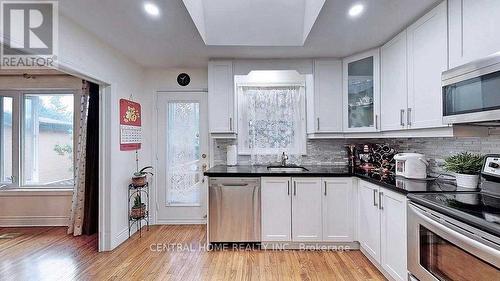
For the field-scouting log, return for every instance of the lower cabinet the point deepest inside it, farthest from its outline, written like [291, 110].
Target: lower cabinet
[382, 228]
[338, 210]
[369, 219]
[307, 209]
[276, 207]
[393, 234]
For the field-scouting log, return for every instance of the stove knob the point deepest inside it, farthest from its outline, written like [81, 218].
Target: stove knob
[494, 165]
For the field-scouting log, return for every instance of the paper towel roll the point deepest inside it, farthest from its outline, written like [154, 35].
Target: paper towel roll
[232, 155]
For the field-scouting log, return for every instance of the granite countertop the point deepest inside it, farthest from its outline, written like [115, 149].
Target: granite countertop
[398, 184]
[262, 171]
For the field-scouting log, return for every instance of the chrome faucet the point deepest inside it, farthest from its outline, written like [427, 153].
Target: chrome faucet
[284, 157]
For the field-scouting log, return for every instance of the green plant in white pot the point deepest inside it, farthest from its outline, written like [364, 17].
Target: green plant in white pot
[466, 167]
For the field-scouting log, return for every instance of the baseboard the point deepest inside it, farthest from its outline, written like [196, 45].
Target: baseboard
[181, 221]
[21, 221]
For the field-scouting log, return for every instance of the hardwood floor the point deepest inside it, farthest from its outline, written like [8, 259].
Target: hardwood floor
[47, 253]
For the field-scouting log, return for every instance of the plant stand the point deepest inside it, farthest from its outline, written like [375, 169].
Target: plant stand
[138, 221]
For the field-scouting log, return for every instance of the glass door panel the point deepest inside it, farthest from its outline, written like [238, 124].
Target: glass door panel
[184, 172]
[446, 261]
[360, 93]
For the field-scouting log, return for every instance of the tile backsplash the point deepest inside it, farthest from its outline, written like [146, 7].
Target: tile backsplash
[331, 152]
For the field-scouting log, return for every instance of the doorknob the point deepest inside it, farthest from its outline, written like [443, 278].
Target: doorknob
[203, 156]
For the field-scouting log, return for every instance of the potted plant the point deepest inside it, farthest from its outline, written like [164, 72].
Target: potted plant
[138, 209]
[140, 177]
[466, 167]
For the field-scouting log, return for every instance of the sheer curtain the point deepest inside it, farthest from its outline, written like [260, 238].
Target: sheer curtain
[273, 123]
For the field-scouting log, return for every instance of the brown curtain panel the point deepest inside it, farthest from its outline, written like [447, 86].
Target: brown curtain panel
[91, 206]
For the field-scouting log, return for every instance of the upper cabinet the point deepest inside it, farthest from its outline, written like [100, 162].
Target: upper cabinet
[427, 59]
[473, 29]
[361, 92]
[327, 97]
[221, 97]
[394, 84]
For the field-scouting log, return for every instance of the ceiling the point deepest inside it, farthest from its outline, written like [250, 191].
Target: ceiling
[254, 22]
[172, 40]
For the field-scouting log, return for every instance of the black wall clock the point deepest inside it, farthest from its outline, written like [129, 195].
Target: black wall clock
[183, 79]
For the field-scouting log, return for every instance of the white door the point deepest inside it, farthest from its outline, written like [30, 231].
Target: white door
[369, 219]
[306, 210]
[338, 216]
[181, 190]
[328, 96]
[427, 59]
[393, 234]
[276, 209]
[393, 85]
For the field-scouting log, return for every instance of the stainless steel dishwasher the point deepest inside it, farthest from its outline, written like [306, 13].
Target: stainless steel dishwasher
[234, 210]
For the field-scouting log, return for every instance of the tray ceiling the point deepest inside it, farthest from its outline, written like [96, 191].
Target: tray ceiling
[254, 22]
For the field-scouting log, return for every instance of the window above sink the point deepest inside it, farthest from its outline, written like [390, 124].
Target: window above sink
[271, 112]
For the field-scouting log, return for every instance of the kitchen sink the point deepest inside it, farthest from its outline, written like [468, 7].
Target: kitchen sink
[286, 169]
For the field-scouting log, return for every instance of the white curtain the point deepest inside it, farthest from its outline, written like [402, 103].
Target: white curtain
[274, 120]
[78, 203]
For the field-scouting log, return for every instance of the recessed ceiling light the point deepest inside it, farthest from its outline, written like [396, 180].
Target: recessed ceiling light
[151, 9]
[356, 10]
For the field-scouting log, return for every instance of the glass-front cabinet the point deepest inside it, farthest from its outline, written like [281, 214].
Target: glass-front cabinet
[362, 92]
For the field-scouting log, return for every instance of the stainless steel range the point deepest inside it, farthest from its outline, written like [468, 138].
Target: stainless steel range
[456, 235]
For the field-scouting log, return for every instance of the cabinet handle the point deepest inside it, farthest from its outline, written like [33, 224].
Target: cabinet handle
[401, 117]
[288, 189]
[230, 124]
[325, 188]
[317, 121]
[408, 117]
[375, 198]
[294, 188]
[376, 121]
[380, 195]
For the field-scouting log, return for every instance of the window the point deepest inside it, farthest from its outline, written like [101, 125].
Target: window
[37, 139]
[271, 119]
[6, 140]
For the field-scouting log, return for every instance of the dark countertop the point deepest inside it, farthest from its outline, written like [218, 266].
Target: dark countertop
[262, 171]
[397, 184]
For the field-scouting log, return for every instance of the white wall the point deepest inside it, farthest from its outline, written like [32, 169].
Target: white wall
[83, 52]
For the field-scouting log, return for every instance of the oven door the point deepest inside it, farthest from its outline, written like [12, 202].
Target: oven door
[440, 248]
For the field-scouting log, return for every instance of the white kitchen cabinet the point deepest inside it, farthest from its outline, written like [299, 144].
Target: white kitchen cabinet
[338, 210]
[221, 101]
[276, 205]
[394, 83]
[361, 92]
[327, 97]
[393, 233]
[427, 59]
[369, 219]
[306, 210]
[473, 30]
[382, 227]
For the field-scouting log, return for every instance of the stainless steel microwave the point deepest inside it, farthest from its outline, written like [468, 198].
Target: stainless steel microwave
[471, 92]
